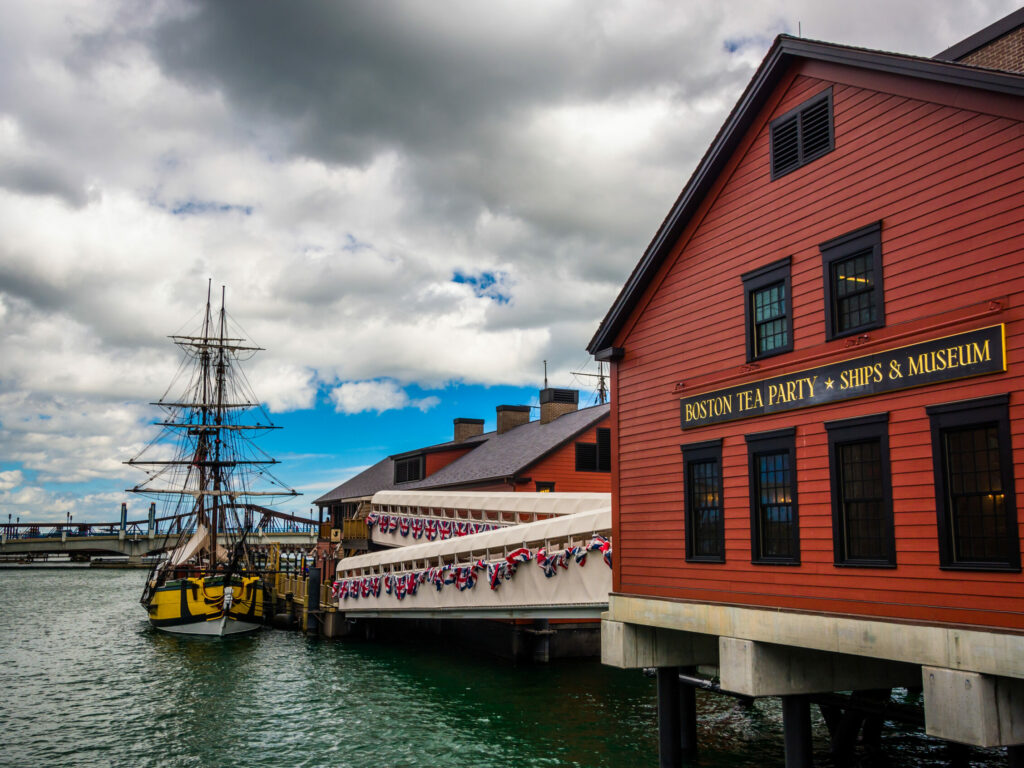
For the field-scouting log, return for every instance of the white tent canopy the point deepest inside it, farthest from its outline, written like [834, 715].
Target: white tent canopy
[580, 527]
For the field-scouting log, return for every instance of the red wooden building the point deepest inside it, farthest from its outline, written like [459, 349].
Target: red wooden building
[818, 365]
[568, 449]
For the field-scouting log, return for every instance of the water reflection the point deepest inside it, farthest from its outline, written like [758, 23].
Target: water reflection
[91, 684]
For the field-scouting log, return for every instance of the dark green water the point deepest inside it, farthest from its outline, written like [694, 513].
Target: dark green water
[84, 681]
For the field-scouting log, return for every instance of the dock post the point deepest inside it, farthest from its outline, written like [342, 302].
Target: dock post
[542, 641]
[688, 719]
[959, 755]
[670, 737]
[313, 601]
[796, 726]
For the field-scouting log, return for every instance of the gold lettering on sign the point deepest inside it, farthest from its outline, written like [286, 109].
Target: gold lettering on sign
[792, 391]
[709, 408]
[860, 376]
[972, 353]
[949, 358]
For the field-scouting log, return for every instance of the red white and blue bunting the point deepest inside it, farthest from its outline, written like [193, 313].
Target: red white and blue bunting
[464, 576]
[430, 528]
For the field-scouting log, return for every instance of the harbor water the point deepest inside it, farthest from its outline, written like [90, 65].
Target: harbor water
[87, 682]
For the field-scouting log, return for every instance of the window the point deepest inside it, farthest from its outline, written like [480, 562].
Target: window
[852, 265]
[407, 470]
[974, 490]
[595, 457]
[862, 523]
[774, 525]
[544, 487]
[705, 524]
[802, 134]
[768, 310]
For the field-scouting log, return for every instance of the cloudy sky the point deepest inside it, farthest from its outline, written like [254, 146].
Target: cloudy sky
[412, 205]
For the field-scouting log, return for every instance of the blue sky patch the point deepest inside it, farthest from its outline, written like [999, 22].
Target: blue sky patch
[487, 285]
[200, 207]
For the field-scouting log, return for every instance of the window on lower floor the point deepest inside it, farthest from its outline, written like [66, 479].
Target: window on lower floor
[774, 521]
[974, 487]
[705, 523]
[862, 523]
[544, 487]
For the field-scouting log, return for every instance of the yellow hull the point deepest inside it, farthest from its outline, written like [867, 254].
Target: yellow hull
[196, 605]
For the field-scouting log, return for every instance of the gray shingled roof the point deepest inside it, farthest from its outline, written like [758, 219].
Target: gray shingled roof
[381, 476]
[506, 454]
[497, 456]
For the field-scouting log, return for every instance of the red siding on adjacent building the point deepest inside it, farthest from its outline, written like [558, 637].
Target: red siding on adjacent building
[439, 459]
[559, 467]
[947, 183]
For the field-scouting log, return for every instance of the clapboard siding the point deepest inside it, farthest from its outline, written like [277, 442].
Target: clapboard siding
[439, 459]
[947, 185]
[559, 467]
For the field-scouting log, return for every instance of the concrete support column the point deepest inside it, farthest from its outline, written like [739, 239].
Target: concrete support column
[762, 669]
[634, 646]
[972, 708]
[796, 724]
[670, 738]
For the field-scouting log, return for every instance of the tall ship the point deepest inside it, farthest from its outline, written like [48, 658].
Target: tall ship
[213, 481]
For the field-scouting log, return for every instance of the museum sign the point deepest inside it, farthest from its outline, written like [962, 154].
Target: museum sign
[972, 353]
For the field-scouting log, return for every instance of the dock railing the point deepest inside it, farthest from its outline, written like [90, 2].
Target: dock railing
[354, 529]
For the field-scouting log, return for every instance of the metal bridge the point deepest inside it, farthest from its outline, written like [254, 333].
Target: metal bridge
[532, 555]
[139, 538]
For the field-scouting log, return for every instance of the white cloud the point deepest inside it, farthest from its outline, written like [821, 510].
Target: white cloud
[379, 396]
[10, 479]
[147, 147]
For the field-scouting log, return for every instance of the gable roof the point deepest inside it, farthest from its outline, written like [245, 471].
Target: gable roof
[495, 457]
[381, 476]
[784, 51]
[509, 453]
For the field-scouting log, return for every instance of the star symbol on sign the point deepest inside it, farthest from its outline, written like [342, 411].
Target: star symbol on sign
[829, 383]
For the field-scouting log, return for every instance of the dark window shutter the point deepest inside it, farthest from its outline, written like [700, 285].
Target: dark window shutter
[604, 449]
[801, 135]
[785, 146]
[586, 457]
[407, 470]
[815, 130]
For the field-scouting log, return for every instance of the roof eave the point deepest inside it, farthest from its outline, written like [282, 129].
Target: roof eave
[784, 50]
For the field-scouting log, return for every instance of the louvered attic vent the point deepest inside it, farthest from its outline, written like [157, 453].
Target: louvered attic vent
[802, 134]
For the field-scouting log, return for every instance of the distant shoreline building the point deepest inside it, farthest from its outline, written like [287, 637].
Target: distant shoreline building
[818, 426]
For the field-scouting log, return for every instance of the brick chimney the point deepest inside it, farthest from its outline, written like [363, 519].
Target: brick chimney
[512, 416]
[998, 46]
[555, 402]
[467, 428]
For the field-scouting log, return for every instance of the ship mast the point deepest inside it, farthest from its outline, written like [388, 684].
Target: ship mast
[215, 454]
